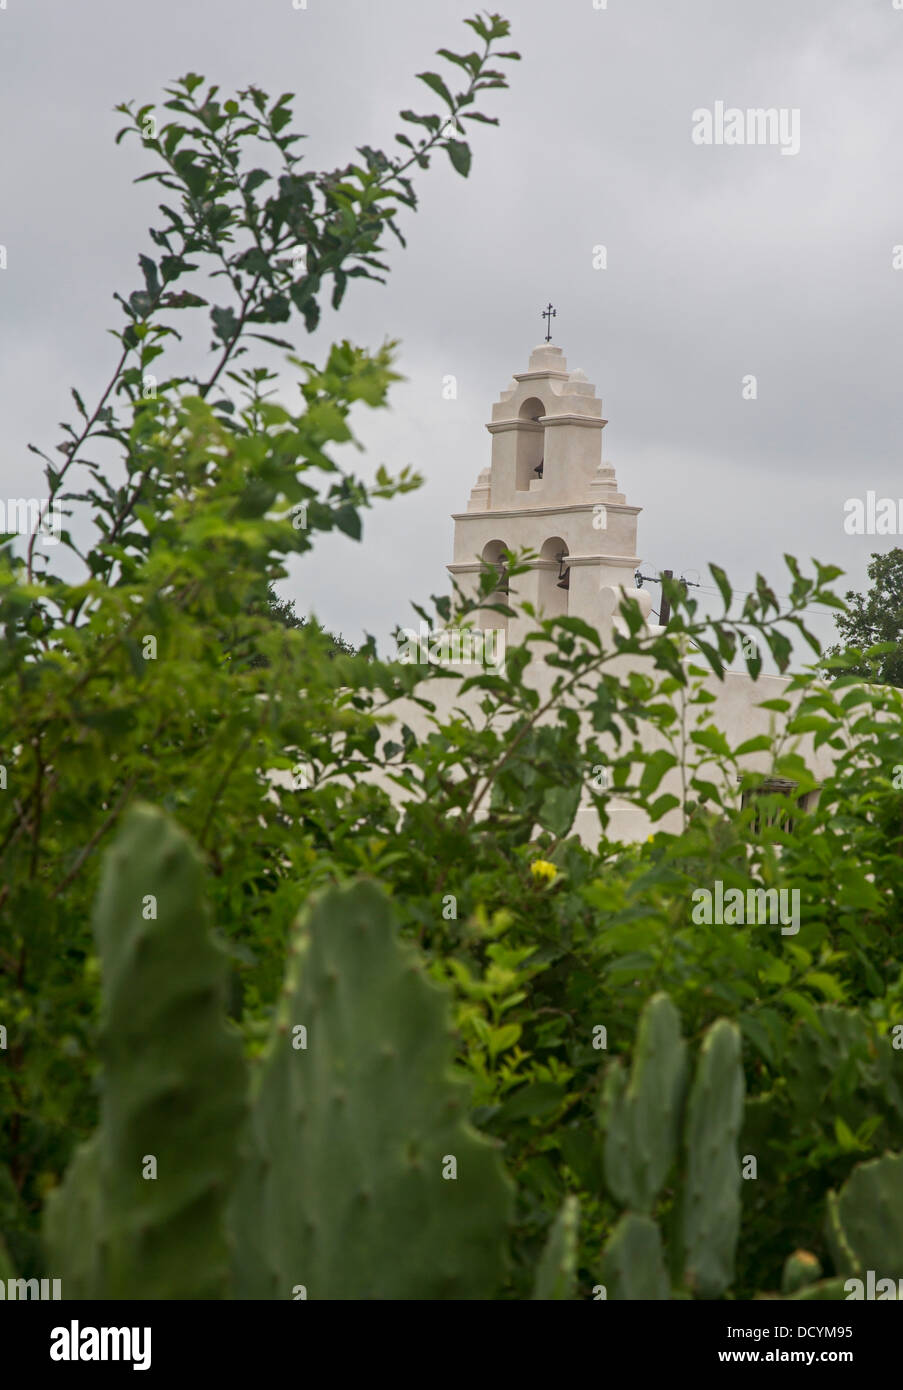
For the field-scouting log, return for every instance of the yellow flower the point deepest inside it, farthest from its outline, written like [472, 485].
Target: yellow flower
[542, 869]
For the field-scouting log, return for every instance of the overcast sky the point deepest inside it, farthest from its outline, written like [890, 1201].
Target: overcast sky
[722, 261]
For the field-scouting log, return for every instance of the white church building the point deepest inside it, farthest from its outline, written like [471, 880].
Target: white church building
[548, 489]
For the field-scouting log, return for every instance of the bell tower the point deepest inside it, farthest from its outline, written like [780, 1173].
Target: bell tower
[547, 489]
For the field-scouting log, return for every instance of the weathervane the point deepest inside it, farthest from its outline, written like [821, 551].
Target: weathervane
[550, 314]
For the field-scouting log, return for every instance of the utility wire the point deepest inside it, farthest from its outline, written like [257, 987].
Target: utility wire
[708, 589]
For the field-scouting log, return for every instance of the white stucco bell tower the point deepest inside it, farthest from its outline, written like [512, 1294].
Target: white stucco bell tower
[548, 489]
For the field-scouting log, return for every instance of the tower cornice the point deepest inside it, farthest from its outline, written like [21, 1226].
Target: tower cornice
[546, 511]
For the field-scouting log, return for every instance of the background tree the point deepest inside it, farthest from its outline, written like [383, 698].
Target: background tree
[874, 619]
[282, 611]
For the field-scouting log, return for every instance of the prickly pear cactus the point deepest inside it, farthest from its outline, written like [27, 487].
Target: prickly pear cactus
[642, 1116]
[817, 1054]
[644, 1119]
[633, 1262]
[842, 1061]
[711, 1199]
[556, 1276]
[865, 1220]
[72, 1226]
[800, 1268]
[140, 1213]
[364, 1180]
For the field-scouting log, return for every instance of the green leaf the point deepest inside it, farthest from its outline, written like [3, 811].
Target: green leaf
[254, 179]
[460, 156]
[656, 765]
[432, 123]
[225, 324]
[531, 1102]
[504, 1037]
[777, 972]
[845, 1136]
[723, 583]
[802, 1006]
[434, 81]
[348, 520]
[882, 649]
[580, 628]
[149, 270]
[760, 744]
[558, 809]
[826, 984]
[470, 62]
[713, 739]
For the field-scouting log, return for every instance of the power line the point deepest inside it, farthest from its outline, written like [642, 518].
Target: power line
[664, 614]
[709, 589]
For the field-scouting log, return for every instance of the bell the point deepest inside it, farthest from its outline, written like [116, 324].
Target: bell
[503, 577]
[564, 573]
[538, 469]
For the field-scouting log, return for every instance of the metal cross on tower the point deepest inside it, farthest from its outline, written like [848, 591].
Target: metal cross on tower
[550, 314]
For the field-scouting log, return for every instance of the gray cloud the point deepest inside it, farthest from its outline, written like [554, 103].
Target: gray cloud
[721, 261]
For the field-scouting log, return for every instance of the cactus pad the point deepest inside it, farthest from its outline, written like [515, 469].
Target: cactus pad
[365, 1181]
[711, 1205]
[556, 1276]
[173, 1085]
[633, 1264]
[642, 1116]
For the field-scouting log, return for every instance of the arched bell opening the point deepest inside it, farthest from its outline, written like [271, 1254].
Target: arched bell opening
[530, 443]
[494, 554]
[554, 578]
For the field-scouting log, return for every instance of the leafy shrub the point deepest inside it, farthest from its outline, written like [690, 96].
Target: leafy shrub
[160, 673]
